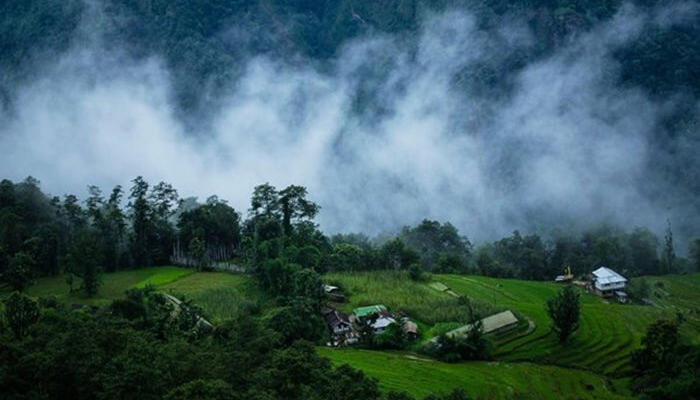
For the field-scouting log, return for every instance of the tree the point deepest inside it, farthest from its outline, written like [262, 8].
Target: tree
[346, 257]
[19, 272]
[20, 313]
[308, 257]
[84, 260]
[307, 283]
[395, 255]
[141, 224]
[295, 207]
[298, 320]
[665, 367]
[669, 254]
[695, 253]
[265, 201]
[415, 272]
[564, 310]
[197, 251]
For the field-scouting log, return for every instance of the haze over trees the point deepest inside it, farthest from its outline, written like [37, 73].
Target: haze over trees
[393, 143]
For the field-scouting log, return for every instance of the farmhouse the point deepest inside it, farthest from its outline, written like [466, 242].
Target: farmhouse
[342, 332]
[380, 318]
[338, 322]
[607, 283]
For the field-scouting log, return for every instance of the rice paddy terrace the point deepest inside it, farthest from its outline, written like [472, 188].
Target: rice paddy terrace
[528, 359]
[608, 332]
[420, 376]
[599, 350]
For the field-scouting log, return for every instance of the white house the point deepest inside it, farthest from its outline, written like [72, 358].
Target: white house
[606, 282]
[381, 323]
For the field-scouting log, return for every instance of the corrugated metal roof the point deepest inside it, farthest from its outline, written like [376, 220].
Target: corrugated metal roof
[369, 310]
[383, 322]
[489, 324]
[606, 275]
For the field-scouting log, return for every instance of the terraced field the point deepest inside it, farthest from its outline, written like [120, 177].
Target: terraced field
[481, 380]
[607, 334]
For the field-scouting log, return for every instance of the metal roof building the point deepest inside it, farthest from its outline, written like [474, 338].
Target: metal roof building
[606, 280]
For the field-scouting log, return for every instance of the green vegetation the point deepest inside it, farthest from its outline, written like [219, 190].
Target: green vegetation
[564, 309]
[493, 380]
[113, 284]
[607, 335]
[222, 296]
[401, 294]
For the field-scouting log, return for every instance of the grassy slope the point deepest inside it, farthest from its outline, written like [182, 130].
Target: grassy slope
[603, 343]
[679, 293]
[220, 294]
[488, 380]
[434, 311]
[113, 284]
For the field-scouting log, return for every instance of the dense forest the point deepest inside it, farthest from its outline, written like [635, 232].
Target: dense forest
[151, 225]
[188, 34]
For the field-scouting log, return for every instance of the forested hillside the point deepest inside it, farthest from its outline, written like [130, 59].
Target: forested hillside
[204, 41]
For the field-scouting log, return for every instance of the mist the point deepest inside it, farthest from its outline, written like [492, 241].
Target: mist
[382, 137]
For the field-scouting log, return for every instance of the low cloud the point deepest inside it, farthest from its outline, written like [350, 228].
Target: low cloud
[385, 137]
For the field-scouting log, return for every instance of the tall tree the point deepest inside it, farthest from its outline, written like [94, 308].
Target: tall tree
[84, 260]
[265, 201]
[695, 253]
[564, 310]
[19, 272]
[669, 254]
[140, 220]
[20, 313]
[295, 207]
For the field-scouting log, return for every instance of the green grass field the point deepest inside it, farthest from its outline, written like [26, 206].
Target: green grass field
[607, 335]
[394, 289]
[481, 380]
[113, 284]
[220, 294]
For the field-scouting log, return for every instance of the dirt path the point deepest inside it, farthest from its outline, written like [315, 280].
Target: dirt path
[177, 303]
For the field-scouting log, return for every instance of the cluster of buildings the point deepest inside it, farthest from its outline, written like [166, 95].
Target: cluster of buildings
[345, 328]
[603, 281]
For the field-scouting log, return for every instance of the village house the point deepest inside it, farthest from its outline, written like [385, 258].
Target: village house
[608, 283]
[339, 324]
[377, 315]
